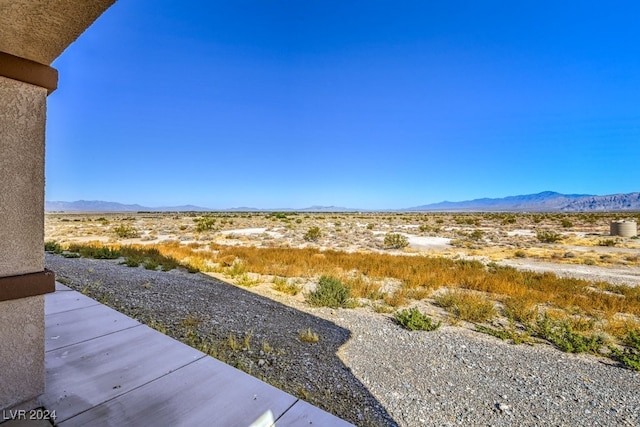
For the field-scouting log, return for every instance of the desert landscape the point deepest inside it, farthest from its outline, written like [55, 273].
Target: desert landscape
[578, 243]
[548, 286]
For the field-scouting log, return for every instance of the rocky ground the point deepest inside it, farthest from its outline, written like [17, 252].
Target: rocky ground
[364, 367]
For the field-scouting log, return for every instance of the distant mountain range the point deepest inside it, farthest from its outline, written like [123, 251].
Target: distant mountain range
[101, 206]
[547, 201]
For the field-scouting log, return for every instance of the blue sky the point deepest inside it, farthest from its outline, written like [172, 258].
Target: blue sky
[367, 104]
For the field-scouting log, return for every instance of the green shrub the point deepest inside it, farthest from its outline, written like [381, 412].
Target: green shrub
[70, 255]
[330, 292]
[132, 261]
[125, 231]
[630, 355]
[566, 223]
[562, 335]
[548, 236]
[105, 253]
[414, 320]
[313, 234]
[395, 241]
[205, 223]
[476, 234]
[278, 215]
[506, 334]
[509, 219]
[151, 265]
[97, 252]
[52, 246]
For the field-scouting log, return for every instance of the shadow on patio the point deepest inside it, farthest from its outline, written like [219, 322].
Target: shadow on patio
[254, 333]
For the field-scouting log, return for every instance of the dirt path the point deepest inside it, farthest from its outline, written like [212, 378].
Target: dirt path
[619, 275]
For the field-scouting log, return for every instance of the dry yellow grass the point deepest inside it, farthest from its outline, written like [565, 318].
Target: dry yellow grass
[420, 275]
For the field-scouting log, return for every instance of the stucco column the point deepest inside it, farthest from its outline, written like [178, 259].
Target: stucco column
[22, 129]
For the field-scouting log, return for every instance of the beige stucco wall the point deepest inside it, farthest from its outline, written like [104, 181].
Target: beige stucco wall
[22, 128]
[40, 30]
[22, 350]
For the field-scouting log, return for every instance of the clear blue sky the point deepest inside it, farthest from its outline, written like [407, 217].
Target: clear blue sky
[366, 104]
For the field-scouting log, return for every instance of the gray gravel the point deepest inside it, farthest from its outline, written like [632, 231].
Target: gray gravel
[454, 376]
[367, 369]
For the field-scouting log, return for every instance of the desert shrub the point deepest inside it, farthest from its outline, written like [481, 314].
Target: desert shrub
[629, 356]
[236, 269]
[52, 246]
[281, 284]
[520, 254]
[151, 265]
[97, 252]
[472, 307]
[104, 253]
[395, 241]
[125, 231]
[520, 309]
[370, 226]
[414, 320]
[277, 215]
[509, 219]
[312, 234]
[561, 334]
[330, 292]
[506, 334]
[132, 261]
[476, 234]
[70, 255]
[246, 281]
[607, 242]
[566, 223]
[205, 223]
[548, 236]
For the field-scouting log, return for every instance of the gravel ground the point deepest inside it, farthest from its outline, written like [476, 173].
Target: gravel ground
[365, 368]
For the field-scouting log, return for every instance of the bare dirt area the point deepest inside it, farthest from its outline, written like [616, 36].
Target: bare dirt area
[622, 274]
[534, 315]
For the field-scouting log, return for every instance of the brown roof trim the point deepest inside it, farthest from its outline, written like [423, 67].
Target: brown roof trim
[28, 71]
[27, 285]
